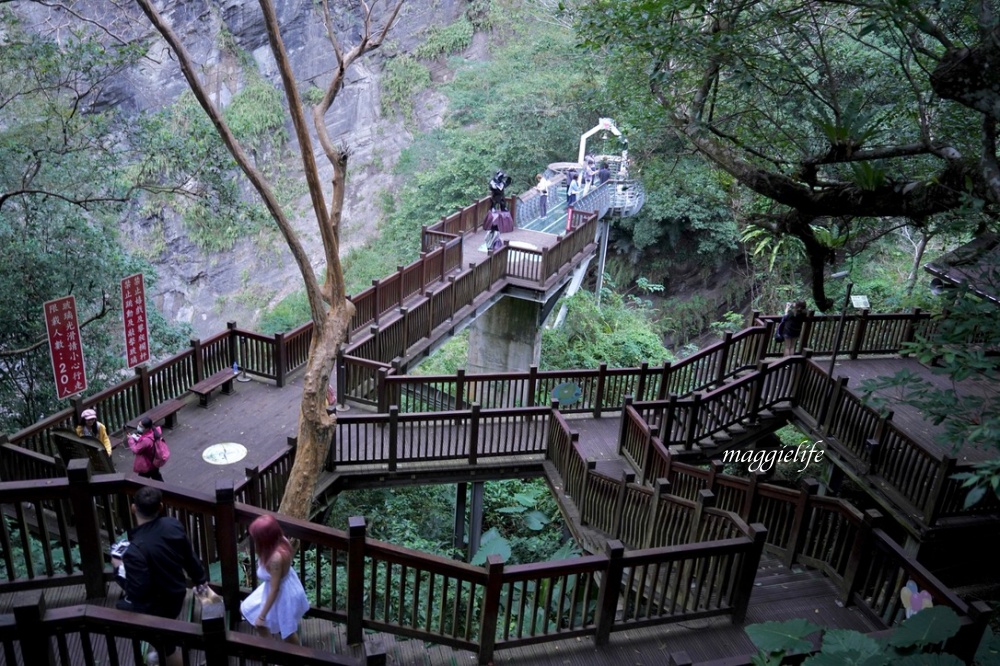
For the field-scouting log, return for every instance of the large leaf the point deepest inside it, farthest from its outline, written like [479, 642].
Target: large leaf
[535, 520]
[842, 647]
[491, 544]
[788, 636]
[928, 660]
[928, 627]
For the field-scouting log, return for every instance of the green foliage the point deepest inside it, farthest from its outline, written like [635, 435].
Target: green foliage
[448, 359]
[907, 644]
[446, 40]
[404, 77]
[63, 193]
[182, 146]
[38, 549]
[960, 346]
[619, 333]
[291, 312]
[524, 515]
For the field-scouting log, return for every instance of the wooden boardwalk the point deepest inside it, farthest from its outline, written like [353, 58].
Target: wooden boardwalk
[909, 418]
[779, 594]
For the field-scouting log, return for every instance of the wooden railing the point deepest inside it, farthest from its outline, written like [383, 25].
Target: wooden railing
[863, 333]
[798, 525]
[369, 584]
[917, 480]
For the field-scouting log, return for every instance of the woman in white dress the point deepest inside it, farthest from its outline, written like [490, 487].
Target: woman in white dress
[274, 609]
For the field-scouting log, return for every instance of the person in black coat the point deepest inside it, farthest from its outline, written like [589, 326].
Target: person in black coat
[153, 565]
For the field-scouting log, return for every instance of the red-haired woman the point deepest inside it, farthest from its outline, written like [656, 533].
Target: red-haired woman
[279, 602]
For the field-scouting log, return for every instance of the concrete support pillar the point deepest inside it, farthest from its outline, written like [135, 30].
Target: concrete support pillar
[461, 492]
[475, 518]
[506, 338]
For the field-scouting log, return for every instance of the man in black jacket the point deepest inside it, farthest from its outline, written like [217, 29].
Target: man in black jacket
[158, 554]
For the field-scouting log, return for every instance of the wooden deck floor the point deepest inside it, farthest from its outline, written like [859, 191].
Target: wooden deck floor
[909, 418]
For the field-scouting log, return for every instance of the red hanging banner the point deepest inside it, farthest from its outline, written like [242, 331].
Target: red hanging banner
[134, 318]
[65, 347]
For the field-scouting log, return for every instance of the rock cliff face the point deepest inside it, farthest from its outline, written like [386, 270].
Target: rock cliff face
[208, 290]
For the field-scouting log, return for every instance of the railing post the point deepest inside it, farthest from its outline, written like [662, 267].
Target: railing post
[444, 260]
[404, 313]
[145, 390]
[384, 399]
[376, 287]
[88, 531]
[752, 499]
[199, 362]
[393, 436]
[911, 327]
[806, 333]
[34, 640]
[860, 550]
[757, 391]
[873, 445]
[932, 507]
[720, 371]
[399, 271]
[714, 469]
[532, 385]
[623, 427]
[460, 389]
[667, 421]
[800, 523]
[692, 425]
[748, 571]
[602, 371]
[280, 359]
[213, 629]
[640, 389]
[453, 301]
[661, 394]
[356, 528]
[706, 500]
[225, 538]
[859, 334]
[491, 608]
[627, 478]
[660, 488]
[423, 268]
[474, 434]
[830, 408]
[589, 465]
[340, 378]
[610, 590]
[231, 340]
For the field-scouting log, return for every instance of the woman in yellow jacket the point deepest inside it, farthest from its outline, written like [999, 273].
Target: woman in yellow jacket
[90, 428]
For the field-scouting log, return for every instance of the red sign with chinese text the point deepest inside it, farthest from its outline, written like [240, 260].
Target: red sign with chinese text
[134, 318]
[65, 347]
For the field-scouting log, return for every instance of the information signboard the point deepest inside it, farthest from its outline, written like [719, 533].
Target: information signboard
[65, 347]
[134, 319]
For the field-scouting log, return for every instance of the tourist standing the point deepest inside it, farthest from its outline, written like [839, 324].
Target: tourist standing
[91, 428]
[279, 602]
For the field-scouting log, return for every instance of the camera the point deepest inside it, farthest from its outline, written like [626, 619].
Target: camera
[499, 181]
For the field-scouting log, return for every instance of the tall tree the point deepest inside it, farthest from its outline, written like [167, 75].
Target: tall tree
[836, 115]
[329, 308]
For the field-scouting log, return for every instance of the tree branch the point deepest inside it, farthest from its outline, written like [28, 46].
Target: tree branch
[256, 178]
[41, 342]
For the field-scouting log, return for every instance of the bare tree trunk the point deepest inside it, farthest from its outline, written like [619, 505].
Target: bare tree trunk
[918, 256]
[328, 304]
